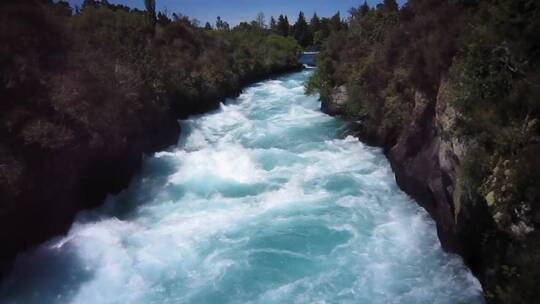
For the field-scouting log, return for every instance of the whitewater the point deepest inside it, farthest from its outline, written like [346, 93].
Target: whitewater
[266, 200]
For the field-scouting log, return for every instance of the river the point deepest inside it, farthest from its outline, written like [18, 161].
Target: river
[266, 200]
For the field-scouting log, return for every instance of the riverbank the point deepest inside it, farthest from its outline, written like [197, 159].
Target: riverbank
[437, 84]
[83, 102]
[266, 200]
[96, 177]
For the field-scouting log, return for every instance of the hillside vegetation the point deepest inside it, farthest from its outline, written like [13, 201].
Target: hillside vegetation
[484, 58]
[83, 94]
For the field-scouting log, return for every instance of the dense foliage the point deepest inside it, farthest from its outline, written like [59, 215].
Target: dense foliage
[84, 93]
[309, 34]
[382, 54]
[489, 52]
[497, 93]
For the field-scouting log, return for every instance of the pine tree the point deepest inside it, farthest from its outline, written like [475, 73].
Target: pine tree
[364, 9]
[315, 23]
[283, 25]
[335, 23]
[302, 32]
[219, 23]
[358, 12]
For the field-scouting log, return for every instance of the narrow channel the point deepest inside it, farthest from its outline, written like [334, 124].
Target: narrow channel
[267, 200]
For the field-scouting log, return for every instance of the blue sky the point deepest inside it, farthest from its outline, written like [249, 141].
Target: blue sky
[235, 11]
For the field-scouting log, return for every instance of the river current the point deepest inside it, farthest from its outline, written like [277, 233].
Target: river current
[266, 200]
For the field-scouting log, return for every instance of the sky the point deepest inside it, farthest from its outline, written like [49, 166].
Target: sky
[236, 11]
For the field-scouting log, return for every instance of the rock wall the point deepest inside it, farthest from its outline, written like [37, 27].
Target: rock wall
[427, 161]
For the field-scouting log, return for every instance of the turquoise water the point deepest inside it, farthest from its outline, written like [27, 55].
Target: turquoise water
[265, 201]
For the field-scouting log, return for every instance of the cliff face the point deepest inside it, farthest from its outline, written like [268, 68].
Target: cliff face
[427, 159]
[424, 164]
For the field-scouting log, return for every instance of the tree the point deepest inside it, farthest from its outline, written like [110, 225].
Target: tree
[150, 6]
[260, 20]
[88, 3]
[361, 11]
[208, 26]
[315, 23]
[335, 23]
[179, 18]
[219, 23]
[302, 33]
[195, 22]
[273, 25]
[62, 8]
[283, 25]
[320, 35]
[364, 9]
[162, 19]
[390, 6]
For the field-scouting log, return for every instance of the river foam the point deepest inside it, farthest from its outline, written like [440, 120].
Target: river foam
[267, 200]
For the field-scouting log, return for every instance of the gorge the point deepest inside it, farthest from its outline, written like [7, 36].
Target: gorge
[266, 200]
[146, 157]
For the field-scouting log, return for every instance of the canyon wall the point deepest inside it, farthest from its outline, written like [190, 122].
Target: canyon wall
[428, 160]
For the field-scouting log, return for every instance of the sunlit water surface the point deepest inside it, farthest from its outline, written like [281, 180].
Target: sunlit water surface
[265, 201]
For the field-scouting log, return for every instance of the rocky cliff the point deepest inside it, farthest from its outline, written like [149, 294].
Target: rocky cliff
[425, 158]
[428, 160]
